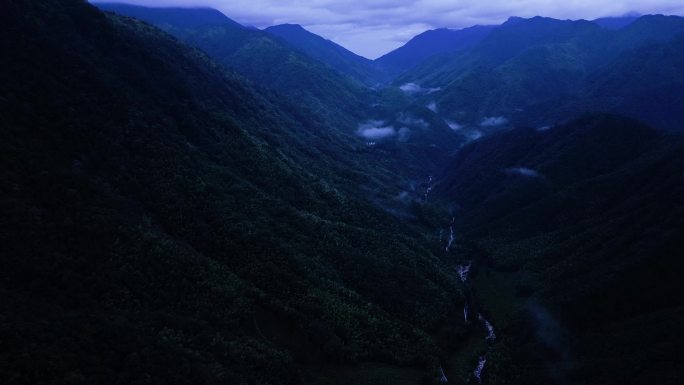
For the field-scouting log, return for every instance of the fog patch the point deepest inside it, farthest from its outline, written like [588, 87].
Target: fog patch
[413, 88]
[524, 171]
[432, 106]
[555, 340]
[375, 129]
[404, 197]
[493, 121]
[474, 134]
[412, 122]
[404, 134]
[453, 125]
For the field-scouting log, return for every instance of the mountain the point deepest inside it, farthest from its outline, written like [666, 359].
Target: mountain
[615, 22]
[429, 44]
[318, 89]
[172, 17]
[646, 83]
[507, 74]
[187, 200]
[506, 42]
[338, 105]
[581, 225]
[328, 52]
[166, 221]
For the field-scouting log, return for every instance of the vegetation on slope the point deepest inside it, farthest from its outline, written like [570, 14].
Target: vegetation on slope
[587, 219]
[164, 222]
[542, 71]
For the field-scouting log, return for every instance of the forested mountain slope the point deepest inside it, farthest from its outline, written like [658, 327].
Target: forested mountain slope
[164, 221]
[329, 52]
[193, 201]
[315, 87]
[542, 71]
[582, 224]
[336, 105]
[428, 44]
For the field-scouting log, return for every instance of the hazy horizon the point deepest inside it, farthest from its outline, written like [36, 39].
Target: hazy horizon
[377, 27]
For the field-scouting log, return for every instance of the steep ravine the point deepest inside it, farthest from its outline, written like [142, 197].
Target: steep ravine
[470, 307]
[471, 304]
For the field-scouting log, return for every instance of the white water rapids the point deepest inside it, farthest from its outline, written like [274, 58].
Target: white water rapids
[490, 329]
[428, 189]
[451, 239]
[480, 367]
[443, 379]
[491, 337]
[463, 271]
[463, 274]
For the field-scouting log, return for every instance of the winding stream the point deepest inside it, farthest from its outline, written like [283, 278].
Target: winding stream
[428, 189]
[443, 379]
[451, 239]
[477, 373]
[490, 329]
[491, 337]
[463, 274]
[463, 271]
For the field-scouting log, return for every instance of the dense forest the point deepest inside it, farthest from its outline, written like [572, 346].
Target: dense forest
[188, 200]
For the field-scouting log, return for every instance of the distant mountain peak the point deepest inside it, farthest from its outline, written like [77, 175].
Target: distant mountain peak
[429, 44]
[513, 20]
[185, 17]
[326, 51]
[291, 26]
[616, 22]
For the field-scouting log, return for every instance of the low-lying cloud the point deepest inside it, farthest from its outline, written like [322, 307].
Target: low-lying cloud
[411, 88]
[414, 88]
[493, 121]
[555, 340]
[474, 134]
[375, 129]
[453, 125]
[523, 171]
[404, 134]
[410, 121]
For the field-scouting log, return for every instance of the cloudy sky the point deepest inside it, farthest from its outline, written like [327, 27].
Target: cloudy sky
[374, 27]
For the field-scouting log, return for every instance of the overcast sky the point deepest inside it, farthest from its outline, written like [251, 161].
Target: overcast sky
[374, 27]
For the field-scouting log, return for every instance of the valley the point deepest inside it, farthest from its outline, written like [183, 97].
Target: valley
[186, 199]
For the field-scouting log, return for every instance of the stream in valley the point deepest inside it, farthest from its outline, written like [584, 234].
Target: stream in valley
[470, 305]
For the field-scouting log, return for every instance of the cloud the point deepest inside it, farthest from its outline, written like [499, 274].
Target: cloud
[413, 88]
[410, 121]
[556, 340]
[474, 134]
[375, 129]
[523, 171]
[404, 134]
[453, 125]
[403, 196]
[432, 106]
[493, 121]
[374, 27]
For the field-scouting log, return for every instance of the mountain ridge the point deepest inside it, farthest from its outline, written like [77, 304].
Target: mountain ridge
[328, 52]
